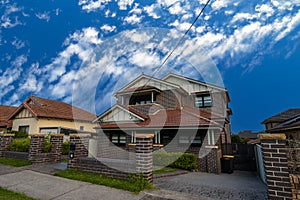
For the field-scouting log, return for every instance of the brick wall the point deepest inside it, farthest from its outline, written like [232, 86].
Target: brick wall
[5, 141]
[16, 155]
[276, 166]
[36, 154]
[141, 164]
[107, 167]
[293, 150]
[81, 142]
[209, 159]
[144, 155]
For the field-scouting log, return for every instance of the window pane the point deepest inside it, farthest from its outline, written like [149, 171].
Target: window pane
[122, 139]
[184, 140]
[115, 138]
[207, 101]
[198, 102]
[197, 140]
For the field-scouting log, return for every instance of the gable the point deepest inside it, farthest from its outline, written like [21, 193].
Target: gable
[24, 113]
[144, 80]
[119, 114]
[192, 86]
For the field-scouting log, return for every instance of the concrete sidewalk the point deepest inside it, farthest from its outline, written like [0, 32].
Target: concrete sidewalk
[46, 187]
[41, 184]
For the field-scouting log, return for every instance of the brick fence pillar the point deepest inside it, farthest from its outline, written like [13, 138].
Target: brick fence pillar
[5, 141]
[36, 146]
[56, 141]
[81, 142]
[144, 155]
[276, 166]
[210, 159]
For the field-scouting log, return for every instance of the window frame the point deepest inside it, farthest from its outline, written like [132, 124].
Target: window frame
[200, 101]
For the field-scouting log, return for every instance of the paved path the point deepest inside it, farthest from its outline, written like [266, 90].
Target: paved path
[37, 181]
[239, 185]
[48, 187]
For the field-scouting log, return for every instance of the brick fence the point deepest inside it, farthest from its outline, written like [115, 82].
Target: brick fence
[276, 166]
[35, 153]
[141, 164]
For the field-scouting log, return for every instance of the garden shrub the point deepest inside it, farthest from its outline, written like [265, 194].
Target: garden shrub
[18, 134]
[47, 146]
[65, 148]
[187, 161]
[20, 145]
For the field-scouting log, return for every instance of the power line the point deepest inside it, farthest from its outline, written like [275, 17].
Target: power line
[181, 39]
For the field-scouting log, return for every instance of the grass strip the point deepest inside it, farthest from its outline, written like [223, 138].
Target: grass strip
[14, 162]
[165, 170]
[10, 195]
[133, 184]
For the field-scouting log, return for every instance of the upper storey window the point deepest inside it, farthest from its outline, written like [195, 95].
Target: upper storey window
[142, 99]
[202, 101]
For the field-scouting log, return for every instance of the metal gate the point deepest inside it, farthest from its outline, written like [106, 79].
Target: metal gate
[244, 157]
[260, 163]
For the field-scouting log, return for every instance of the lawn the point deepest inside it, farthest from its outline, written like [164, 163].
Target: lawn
[9, 195]
[165, 170]
[14, 162]
[133, 184]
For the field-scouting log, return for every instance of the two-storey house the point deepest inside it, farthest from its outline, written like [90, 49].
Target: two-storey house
[183, 114]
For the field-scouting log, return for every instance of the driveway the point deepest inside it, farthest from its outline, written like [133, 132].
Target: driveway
[238, 185]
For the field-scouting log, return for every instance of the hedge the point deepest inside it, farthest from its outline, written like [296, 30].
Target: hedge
[20, 145]
[187, 161]
[65, 148]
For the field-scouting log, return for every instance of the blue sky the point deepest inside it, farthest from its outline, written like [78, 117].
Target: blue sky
[82, 51]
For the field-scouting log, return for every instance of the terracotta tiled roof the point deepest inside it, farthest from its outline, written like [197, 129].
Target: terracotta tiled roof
[5, 112]
[46, 108]
[283, 116]
[165, 118]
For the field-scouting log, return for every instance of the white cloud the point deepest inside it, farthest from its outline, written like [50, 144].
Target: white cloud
[108, 28]
[133, 19]
[150, 10]
[167, 2]
[182, 26]
[7, 21]
[145, 59]
[285, 4]
[176, 9]
[92, 5]
[218, 4]
[123, 4]
[18, 43]
[291, 25]
[31, 85]
[43, 16]
[19, 61]
[242, 16]
[265, 9]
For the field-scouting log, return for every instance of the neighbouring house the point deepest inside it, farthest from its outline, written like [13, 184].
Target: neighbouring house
[39, 115]
[248, 134]
[178, 110]
[287, 122]
[5, 112]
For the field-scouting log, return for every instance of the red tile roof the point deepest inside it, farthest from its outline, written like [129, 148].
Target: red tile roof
[167, 119]
[5, 112]
[46, 108]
